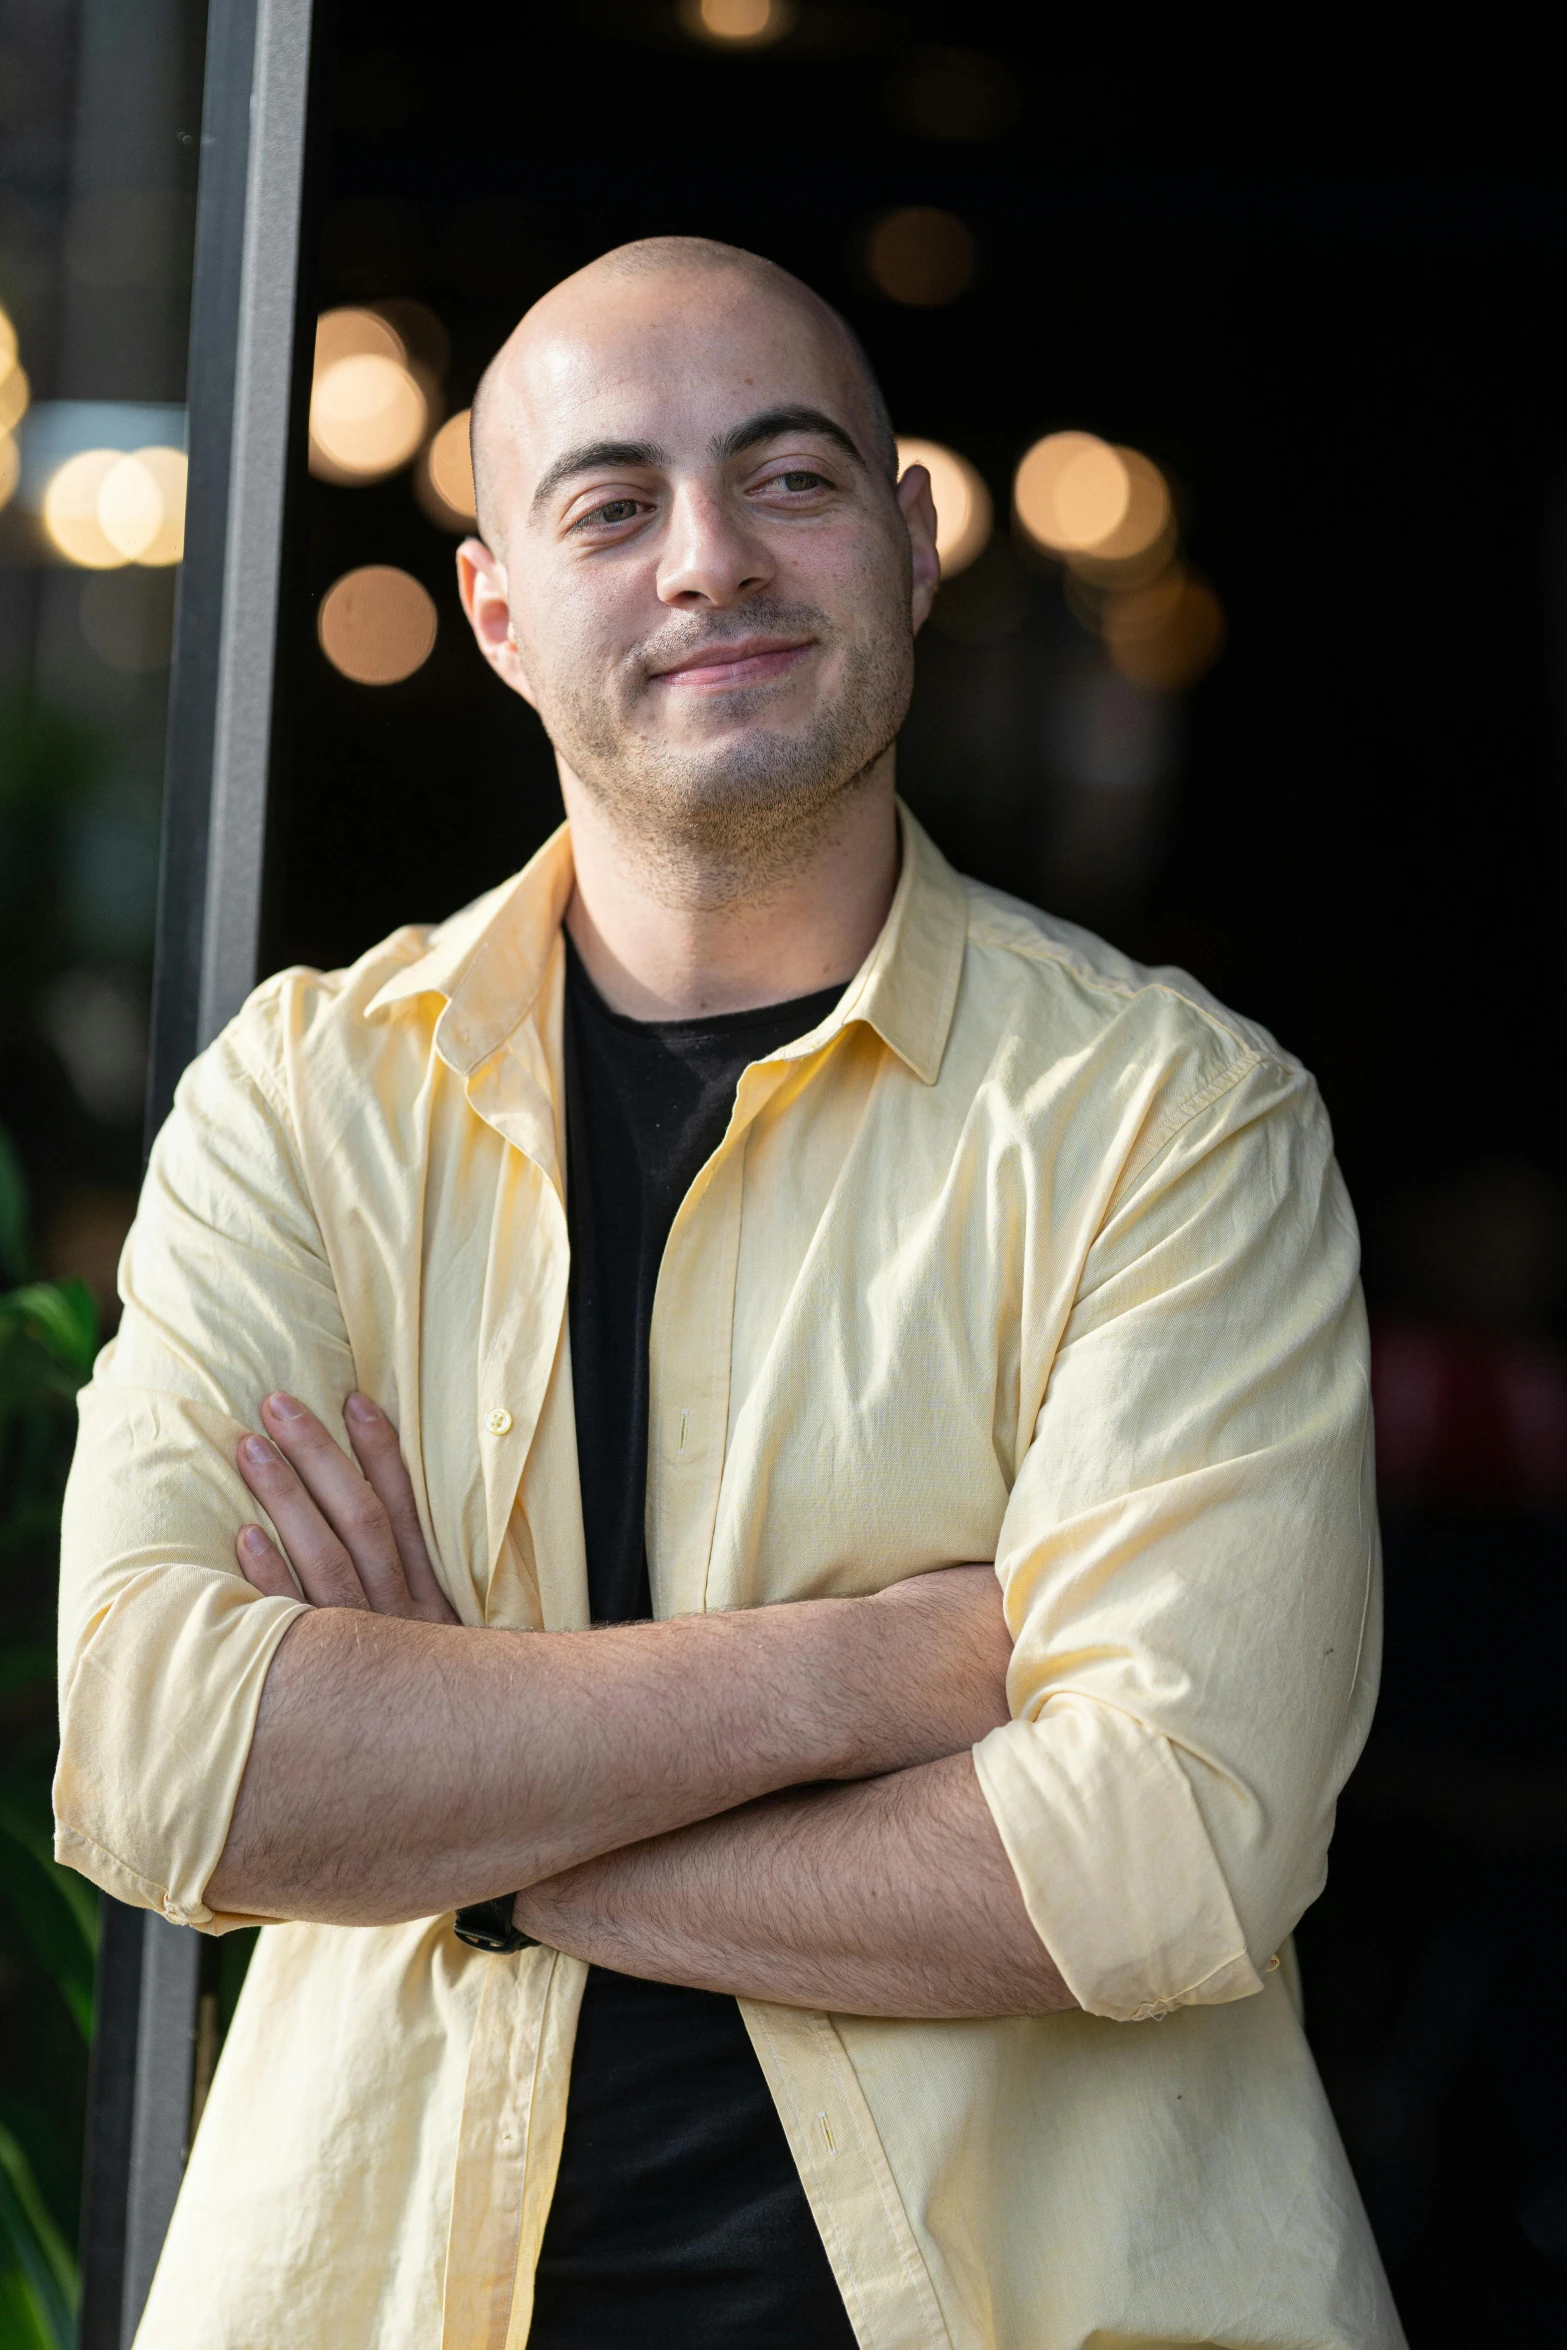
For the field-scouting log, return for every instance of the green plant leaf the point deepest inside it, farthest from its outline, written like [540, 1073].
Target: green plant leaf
[31, 2244]
[79, 1899]
[62, 1314]
[23, 2325]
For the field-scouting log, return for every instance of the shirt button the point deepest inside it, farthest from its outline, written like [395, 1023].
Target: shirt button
[499, 1421]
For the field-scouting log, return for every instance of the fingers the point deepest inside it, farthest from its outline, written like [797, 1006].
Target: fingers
[334, 1529]
[327, 1574]
[352, 1540]
[263, 1565]
[375, 1443]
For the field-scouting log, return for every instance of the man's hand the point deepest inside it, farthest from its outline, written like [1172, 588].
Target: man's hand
[352, 1540]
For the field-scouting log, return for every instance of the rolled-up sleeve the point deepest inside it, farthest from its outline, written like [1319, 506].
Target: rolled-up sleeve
[163, 1646]
[1190, 1566]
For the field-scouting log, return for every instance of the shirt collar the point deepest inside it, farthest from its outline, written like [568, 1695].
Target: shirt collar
[907, 986]
[490, 961]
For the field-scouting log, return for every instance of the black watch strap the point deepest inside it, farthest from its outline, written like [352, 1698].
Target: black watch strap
[486, 1925]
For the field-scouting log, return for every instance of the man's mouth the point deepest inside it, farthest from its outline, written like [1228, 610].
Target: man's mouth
[747, 661]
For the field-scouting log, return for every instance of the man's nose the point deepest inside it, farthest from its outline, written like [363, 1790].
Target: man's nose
[711, 553]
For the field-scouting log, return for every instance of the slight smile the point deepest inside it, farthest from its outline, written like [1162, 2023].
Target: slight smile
[752, 661]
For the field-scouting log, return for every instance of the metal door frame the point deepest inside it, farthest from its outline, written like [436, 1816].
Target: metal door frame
[246, 371]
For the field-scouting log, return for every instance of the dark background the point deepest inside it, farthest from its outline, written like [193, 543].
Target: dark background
[1324, 296]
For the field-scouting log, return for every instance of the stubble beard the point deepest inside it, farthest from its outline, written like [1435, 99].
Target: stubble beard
[735, 824]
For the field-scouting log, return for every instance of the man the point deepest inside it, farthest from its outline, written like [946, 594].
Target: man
[736, 1208]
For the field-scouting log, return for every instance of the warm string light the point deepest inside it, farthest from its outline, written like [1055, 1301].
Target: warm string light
[444, 482]
[377, 625]
[374, 405]
[103, 508]
[1106, 513]
[14, 395]
[737, 24]
[369, 412]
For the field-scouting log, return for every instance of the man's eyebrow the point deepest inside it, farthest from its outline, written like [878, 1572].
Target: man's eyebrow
[769, 425]
[591, 458]
[772, 423]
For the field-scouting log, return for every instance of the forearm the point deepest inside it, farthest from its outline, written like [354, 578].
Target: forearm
[893, 1897]
[401, 1768]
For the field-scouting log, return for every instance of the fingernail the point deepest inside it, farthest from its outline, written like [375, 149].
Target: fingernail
[253, 1540]
[359, 1407]
[283, 1407]
[258, 1452]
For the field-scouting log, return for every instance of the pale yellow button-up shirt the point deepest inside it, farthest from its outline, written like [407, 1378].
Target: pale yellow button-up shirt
[1024, 1253]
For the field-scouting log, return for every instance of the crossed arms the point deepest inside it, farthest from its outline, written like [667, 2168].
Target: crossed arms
[782, 1800]
[779, 1804]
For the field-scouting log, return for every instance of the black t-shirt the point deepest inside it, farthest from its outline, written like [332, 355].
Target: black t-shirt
[678, 2220]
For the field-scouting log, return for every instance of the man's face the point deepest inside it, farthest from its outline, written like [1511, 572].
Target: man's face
[705, 583]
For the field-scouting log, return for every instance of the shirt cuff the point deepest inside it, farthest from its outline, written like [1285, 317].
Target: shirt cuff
[160, 1705]
[1114, 1862]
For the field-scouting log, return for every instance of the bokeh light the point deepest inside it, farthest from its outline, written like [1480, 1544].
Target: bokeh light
[141, 506]
[445, 478]
[368, 411]
[367, 417]
[920, 256]
[1146, 528]
[738, 24]
[10, 457]
[963, 509]
[14, 395]
[130, 508]
[355, 333]
[70, 510]
[377, 625]
[103, 508]
[1105, 511]
[1165, 634]
[170, 470]
[15, 392]
[1072, 491]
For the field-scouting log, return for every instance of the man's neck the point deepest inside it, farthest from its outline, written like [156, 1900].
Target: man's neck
[657, 946]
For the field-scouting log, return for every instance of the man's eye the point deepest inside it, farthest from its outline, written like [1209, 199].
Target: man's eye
[617, 510]
[799, 480]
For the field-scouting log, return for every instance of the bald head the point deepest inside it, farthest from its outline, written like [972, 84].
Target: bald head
[698, 563]
[662, 276]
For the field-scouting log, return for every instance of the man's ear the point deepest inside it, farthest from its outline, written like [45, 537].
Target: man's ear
[482, 585]
[919, 515]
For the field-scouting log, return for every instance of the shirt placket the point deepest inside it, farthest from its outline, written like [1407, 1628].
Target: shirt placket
[688, 1363]
[690, 1348]
[514, 2095]
[843, 2166]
